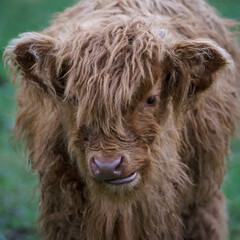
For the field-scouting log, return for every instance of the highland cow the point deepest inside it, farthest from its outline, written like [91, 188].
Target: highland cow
[127, 109]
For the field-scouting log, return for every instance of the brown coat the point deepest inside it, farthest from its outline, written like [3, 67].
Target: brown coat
[153, 83]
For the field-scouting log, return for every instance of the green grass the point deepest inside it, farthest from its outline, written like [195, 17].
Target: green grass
[18, 205]
[231, 188]
[18, 208]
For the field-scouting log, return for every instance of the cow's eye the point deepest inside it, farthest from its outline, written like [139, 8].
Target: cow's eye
[151, 100]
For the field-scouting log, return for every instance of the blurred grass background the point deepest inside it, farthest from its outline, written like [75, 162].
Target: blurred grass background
[18, 203]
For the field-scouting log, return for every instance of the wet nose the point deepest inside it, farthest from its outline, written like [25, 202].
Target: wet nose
[107, 169]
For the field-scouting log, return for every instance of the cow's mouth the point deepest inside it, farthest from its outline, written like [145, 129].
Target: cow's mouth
[123, 180]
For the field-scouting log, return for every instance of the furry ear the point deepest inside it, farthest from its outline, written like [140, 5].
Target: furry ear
[34, 56]
[189, 69]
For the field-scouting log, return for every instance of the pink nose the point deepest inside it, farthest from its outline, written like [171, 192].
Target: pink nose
[107, 169]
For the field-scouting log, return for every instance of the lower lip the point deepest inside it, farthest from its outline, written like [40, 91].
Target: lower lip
[128, 179]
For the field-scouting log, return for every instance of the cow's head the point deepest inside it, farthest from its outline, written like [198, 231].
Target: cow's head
[120, 91]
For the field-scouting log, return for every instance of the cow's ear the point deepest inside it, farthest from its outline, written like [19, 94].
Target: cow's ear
[189, 69]
[34, 57]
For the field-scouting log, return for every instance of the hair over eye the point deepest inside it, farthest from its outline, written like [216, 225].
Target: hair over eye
[75, 99]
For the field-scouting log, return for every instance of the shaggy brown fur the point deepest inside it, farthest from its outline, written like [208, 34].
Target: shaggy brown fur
[84, 87]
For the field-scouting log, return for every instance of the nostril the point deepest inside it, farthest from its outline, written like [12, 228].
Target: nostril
[94, 168]
[119, 168]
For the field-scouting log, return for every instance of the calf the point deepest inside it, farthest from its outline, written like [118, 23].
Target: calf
[127, 108]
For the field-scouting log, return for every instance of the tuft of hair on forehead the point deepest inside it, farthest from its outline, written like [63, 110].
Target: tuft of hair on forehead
[108, 67]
